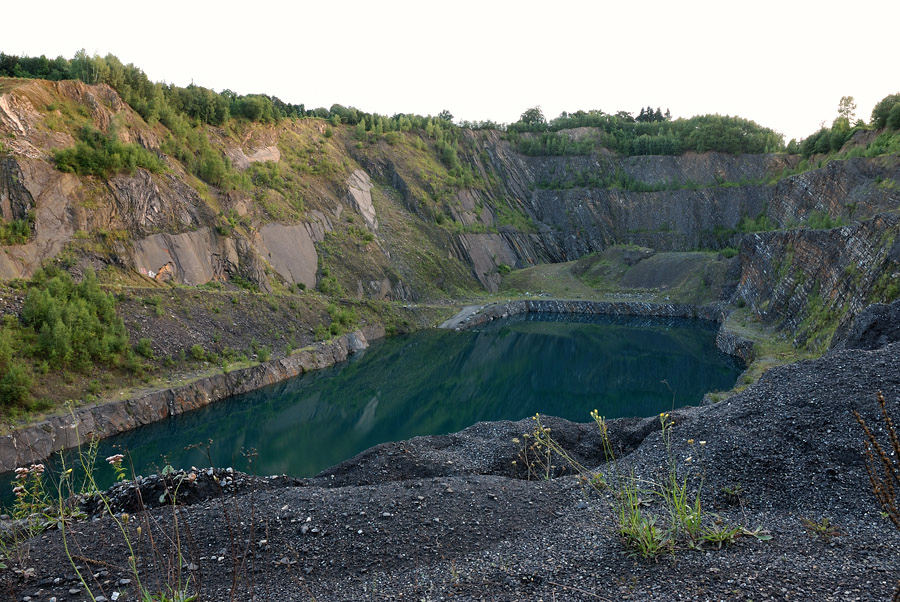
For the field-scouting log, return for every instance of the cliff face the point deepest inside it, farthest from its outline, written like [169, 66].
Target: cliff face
[385, 218]
[812, 282]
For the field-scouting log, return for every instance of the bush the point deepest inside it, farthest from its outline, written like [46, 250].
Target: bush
[729, 252]
[144, 348]
[198, 353]
[818, 220]
[329, 285]
[100, 154]
[342, 319]
[15, 385]
[16, 231]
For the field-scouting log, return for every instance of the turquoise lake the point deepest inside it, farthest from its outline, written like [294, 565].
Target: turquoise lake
[439, 381]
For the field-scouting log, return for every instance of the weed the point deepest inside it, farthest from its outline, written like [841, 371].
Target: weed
[883, 463]
[732, 493]
[684, 524]
[821, 529]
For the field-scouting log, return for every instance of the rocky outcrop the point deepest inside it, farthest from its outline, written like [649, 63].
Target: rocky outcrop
[689, 169]
[52, 197]
[192, 258]
[38, 441]
[877, 326]
[15, 199]
[359, 196]
[291, 251]
[513, 210]
[846, 190]
[242, 159]
[146, 204]
[485, 253]
[814, 281]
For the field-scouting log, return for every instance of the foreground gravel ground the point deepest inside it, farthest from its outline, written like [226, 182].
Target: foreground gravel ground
[452, 518]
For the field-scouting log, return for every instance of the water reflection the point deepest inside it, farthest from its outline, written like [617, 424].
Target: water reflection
[441, 381]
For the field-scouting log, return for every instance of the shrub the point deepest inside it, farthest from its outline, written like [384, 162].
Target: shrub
[144, 348]
[818, 220]
[342, 319]
[17, 231]
[329, 285]
[15, 385]
[197, 352]
[320, 332]
[729, 252]
[100, 154]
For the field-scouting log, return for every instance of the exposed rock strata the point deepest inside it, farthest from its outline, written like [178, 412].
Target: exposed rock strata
[726, 341]
[804, 280]
[512, 217]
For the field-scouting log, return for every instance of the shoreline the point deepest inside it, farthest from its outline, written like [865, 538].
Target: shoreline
[36, 442]
[727, 342]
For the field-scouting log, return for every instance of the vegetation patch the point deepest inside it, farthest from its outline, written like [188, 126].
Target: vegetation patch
[99, 154]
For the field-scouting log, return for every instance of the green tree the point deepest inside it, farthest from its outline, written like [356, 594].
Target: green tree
[533, 117]
[882, 110]
[847, 109]
[893, 119]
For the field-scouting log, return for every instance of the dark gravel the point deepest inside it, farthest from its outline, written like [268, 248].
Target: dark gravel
[452, 518]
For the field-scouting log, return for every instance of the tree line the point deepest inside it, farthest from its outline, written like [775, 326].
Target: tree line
[885, 116]
[651, 133]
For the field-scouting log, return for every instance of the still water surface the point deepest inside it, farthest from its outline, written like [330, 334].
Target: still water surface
[438, 381]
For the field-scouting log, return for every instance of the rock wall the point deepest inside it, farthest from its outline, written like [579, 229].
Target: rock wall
[816, 281]
[726, 341]
[39, 441]
[292, 252]
[171, 223]
[706, 197]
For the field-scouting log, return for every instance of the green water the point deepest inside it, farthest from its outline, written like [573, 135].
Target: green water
[439, 381]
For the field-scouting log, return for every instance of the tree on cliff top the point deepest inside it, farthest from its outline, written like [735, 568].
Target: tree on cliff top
[533, 117]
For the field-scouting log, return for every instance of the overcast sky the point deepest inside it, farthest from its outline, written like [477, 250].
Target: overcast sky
[784, 64]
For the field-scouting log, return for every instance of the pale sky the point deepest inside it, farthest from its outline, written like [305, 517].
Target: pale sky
[785, 64]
